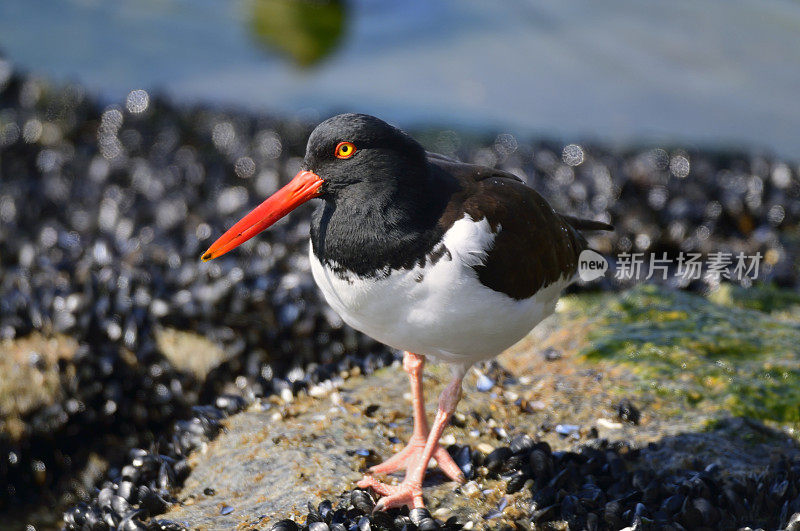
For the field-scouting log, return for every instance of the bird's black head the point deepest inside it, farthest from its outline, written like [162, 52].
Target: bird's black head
[359, 149]
[376, 164]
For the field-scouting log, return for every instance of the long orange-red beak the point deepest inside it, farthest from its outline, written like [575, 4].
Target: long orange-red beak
[303, 187]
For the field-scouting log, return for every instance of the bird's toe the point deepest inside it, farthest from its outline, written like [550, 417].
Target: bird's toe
[369, 482]
[404, 494]
[448, 465]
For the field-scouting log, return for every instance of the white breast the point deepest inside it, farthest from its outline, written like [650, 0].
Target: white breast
[441, 309]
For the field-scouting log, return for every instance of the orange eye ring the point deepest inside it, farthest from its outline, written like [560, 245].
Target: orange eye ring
[344, 150]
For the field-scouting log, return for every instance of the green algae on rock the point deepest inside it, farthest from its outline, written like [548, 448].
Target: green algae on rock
[781, 303]
[721, 358]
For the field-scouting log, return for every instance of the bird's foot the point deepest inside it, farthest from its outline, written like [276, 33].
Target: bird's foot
[407, 456]
[409, 492]
[406, 493]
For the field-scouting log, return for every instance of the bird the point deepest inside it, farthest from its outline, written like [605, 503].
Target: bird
[431, 256]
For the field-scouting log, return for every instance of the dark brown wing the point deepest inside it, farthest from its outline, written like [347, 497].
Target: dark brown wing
[534, 246]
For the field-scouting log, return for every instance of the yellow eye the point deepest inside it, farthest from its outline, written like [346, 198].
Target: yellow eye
[345, 150]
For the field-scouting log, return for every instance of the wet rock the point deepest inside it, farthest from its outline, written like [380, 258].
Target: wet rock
[190, 352]
[31, 378]
[305, 462]
[308, 456]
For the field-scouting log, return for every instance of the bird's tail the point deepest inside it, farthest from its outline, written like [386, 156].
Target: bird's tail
[586, 224]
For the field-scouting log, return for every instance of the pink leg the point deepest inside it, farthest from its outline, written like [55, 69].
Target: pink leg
[414, 366]
[409, 492]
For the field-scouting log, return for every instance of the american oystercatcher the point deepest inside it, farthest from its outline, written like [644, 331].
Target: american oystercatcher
[428, 255]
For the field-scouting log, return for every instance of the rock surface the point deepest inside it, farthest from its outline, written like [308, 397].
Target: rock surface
[275, 457]
[190, 352]
[30, 378]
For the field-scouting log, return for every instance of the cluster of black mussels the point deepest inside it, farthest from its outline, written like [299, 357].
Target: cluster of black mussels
[600, 486]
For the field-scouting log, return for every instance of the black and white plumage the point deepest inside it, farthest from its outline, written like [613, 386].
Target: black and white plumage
[425, 254]
[450, 260]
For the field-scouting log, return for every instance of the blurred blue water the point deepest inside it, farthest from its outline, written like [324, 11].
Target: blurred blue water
[710, 72]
